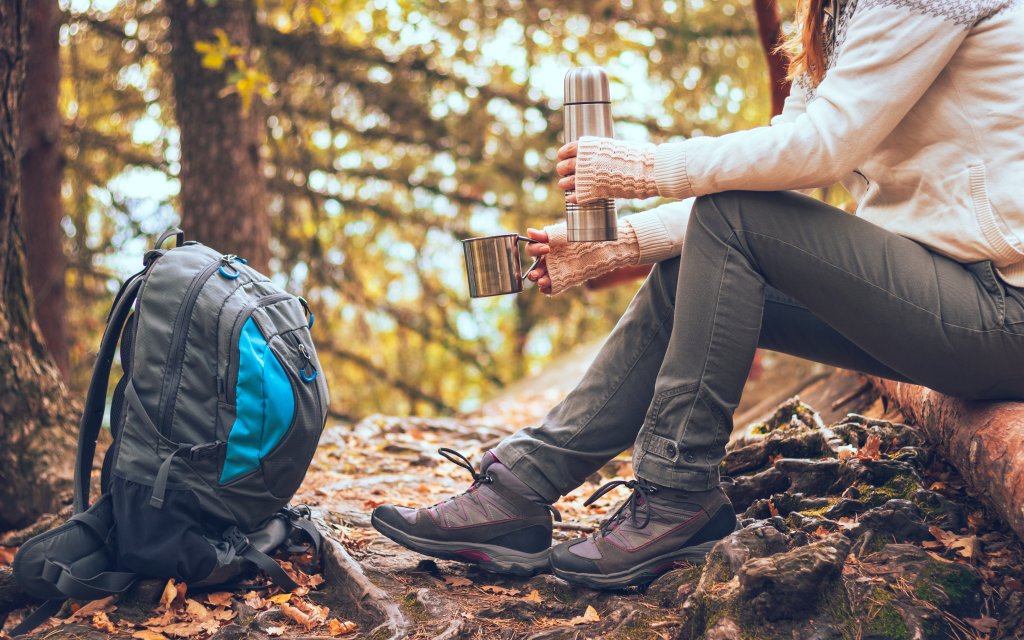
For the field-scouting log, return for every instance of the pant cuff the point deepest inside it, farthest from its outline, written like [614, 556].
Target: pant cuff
[696, 479]
[522, 467]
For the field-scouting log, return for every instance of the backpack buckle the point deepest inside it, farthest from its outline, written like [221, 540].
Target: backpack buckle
[203, 451]
[237, 540]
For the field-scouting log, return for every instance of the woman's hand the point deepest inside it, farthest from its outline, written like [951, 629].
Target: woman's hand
[566, 169]
[539, 274]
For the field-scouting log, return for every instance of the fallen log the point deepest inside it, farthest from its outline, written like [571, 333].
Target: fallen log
[983, 440]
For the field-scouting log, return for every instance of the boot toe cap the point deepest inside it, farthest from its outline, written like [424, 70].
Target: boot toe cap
[401, 518]
[563, 559]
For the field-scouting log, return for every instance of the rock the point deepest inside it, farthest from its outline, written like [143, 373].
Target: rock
[790, 443]
[813, 477]
[952, 586]
[878, 473]
[786, 585]
[724, 629]
[744, 490]
[673, 588]
[756, 541]
[898, 520]
[784, 504]
[938, 509]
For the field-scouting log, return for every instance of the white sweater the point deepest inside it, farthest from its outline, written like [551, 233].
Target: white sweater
[921, 114]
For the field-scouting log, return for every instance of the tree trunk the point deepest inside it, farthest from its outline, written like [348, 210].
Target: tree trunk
[983, 440]
[41, 168]
[223, 186]
[769, 28]
[34, 466]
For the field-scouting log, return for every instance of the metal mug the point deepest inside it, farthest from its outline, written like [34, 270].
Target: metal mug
[493, 265]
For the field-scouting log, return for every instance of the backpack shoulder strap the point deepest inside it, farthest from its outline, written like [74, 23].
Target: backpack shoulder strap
[96, 398]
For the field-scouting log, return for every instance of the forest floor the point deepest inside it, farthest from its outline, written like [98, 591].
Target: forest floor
[852, 529]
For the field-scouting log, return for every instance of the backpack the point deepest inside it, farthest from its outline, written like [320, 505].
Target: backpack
[214, 424]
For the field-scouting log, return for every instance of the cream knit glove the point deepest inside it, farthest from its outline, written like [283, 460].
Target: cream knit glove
[607, 168]
[571, 263]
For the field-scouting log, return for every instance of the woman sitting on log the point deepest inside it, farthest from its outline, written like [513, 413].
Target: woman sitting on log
[918, 107]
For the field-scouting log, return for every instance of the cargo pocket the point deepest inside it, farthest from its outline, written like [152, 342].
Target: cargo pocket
[165, 542]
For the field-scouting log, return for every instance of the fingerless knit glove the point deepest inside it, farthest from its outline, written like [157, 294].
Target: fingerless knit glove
[571, 263]
[607, 168]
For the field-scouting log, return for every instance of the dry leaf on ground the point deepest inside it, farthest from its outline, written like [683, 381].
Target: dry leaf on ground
[501, 591]
[872, 449]
[457, 581]
[280, 598]
[534, 597]
[984, 624]
[590, 615]
[101, 622]
[339, 628]
[146, 634]
[219, 599]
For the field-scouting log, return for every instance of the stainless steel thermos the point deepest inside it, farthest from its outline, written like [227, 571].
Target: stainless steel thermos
[588, 113]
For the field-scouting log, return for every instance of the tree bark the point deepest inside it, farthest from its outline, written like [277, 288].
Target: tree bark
[34, 466]
[983, 440]
[41, 169]
[223, 185]
[769, 29]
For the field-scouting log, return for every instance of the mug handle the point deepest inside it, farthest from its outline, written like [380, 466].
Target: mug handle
[535, 262]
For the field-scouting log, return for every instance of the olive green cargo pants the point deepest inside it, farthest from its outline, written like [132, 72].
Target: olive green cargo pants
[787, 273]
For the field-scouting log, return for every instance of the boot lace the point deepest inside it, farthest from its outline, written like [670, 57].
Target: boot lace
[631, 508]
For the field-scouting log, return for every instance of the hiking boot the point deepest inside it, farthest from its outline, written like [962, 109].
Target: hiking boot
[499, 523]
[650, 532]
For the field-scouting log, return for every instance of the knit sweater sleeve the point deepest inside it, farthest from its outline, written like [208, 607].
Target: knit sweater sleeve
[892, 53]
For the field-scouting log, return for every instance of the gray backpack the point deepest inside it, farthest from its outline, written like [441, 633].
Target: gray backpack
[214, 424]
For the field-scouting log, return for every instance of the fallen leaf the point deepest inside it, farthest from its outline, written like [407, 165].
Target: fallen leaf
[338, 628]
[101, 622]
[7, 554]
[276, 631]
[501, 591]
[219, 599]
[590, 615]
[255, 600]
[280, 598]
[168, 595]
[457, 581]
[373, 504]
[146, 634]
[309, 617]
[872, 449]
[533, 596]
[103, 605]
[196, 611]
[821, 532]
[984, 624]
[772, 509]
[166, 618]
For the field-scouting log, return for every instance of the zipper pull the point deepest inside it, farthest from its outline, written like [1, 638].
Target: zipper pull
[304, 352]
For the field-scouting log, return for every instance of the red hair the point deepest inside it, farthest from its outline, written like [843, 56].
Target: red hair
[806, 47]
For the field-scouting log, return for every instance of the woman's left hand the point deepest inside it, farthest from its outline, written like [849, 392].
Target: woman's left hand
[566, 169]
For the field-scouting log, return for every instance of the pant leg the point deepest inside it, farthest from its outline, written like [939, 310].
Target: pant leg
[600, 418]
[923, 316]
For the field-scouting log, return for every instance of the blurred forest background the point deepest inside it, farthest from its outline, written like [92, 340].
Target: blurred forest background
[348, 146]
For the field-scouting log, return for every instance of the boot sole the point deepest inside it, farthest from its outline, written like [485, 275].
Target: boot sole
[640, 575]
[488, 557]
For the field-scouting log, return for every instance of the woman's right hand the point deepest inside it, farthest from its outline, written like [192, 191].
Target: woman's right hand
[539, 249]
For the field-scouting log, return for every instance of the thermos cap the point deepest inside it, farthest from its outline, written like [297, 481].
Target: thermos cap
[586, 84]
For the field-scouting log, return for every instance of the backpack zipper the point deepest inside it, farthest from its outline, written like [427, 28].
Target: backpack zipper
[178, 348]
[236, 332]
